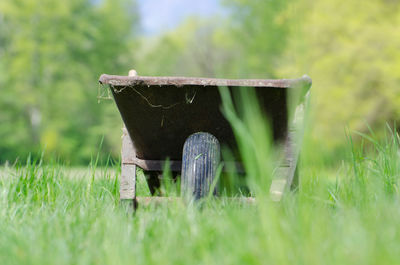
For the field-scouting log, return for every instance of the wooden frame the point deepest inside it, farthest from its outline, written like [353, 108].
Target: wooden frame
[285, 176]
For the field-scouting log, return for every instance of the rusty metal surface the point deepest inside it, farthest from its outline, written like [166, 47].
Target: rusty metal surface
[115, 80]
[161, 112]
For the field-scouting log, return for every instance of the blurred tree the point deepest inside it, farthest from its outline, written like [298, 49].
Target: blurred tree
[198, 47]
[247, 43]
[260, 29]
[52, 52]
[51, 55]
[351, 50]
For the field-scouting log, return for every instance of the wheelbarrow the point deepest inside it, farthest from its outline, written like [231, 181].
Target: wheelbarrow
[177, 120]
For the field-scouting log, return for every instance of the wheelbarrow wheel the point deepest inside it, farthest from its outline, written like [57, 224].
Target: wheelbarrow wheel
[200, 159]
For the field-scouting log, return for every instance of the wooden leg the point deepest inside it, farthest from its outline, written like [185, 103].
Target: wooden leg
[286, 177]
[127, 188]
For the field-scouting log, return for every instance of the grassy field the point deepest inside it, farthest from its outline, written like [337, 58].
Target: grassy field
[47, 217]
[346, 214]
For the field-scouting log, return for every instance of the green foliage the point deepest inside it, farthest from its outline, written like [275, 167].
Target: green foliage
[348, 216]
[248, 43]
[49, 216]
[196, 48]
[261, 30]
[350, 51]
[52, 53]
[253, 137]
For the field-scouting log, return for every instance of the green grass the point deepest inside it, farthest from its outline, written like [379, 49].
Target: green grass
[47, 217]
[349, 214]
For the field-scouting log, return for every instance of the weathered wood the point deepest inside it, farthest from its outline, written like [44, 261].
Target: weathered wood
[153, 165]
[159, 116]
[174, 165]
[134, 79]
[128, 171]
[127, 186]
[192, 96]
[285, 176]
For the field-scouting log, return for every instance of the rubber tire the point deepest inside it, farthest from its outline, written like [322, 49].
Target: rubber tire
[200, 160]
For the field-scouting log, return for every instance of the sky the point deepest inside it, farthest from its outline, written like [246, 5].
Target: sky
[161, 15]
